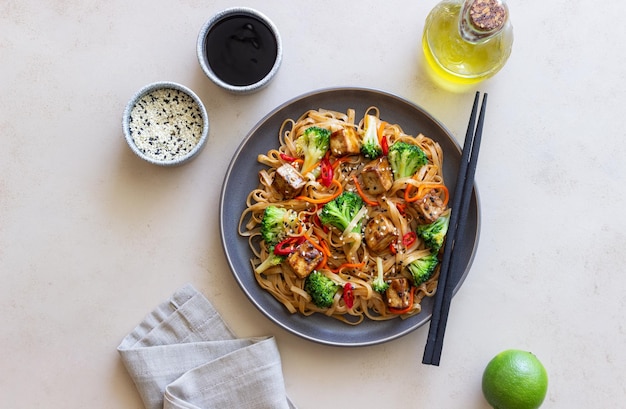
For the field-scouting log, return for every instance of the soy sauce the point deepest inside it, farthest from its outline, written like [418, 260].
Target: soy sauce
[241, 50]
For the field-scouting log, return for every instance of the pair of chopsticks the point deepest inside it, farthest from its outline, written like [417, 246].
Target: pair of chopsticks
[450, 265]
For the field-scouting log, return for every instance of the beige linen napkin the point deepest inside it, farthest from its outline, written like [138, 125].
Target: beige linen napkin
[182, 355]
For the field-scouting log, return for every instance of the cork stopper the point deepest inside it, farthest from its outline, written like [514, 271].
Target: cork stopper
[487, 15]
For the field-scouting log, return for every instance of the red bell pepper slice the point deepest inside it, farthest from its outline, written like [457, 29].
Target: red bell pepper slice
[327, 173]
[287, 158]
[401, 208]
[384, 144]
[288, 246]
[409, 238]
[348, 295]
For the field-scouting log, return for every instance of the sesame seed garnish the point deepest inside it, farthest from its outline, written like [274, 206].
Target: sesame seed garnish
[166, 124]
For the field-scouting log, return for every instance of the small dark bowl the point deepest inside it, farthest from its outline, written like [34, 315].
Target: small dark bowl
[240, 50]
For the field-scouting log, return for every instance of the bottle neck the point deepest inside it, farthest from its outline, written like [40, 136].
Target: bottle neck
[482, 19]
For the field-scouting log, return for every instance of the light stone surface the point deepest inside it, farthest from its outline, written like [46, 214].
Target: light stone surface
[92, 238]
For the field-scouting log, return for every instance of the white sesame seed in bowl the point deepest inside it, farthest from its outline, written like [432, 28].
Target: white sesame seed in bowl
[166, 124]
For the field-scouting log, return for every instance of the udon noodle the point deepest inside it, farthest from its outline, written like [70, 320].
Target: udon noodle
[347, 260]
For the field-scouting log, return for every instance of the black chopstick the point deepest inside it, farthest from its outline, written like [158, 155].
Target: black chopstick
[460, 207]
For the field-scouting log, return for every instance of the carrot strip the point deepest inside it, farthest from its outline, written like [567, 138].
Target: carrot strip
[339, 161]
[326, 199]
[421, 191]
[361, 193]
[446, 196]
[348, 265]
[407, 197]
[322, 263]
[325, 248]
[305, 171]
[381, 128]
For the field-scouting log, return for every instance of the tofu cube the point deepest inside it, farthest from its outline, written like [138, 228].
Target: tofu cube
[377, 176]
[288, 182]
[429, 208]
[345, 142]
[398, 294]
[380, 232]
[305, 259]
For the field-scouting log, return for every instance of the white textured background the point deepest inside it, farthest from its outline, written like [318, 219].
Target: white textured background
[91, 238]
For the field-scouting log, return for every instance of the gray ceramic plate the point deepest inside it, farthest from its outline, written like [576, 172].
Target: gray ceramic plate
[241, 178]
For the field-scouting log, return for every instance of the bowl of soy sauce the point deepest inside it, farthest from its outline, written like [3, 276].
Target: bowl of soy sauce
[239, 49]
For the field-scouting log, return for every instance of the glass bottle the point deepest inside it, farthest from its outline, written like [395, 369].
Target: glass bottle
[467, 41]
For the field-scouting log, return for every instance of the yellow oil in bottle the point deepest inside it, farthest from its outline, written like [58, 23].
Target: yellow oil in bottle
[455, 60]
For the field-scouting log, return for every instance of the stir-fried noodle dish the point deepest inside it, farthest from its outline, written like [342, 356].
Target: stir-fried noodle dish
[349, 218]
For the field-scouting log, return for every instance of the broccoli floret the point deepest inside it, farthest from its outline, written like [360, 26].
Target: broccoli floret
[340, 211]
[370, 146]
[271, 260]
[379, 284]
[321, 289]
[405, 159]
[423, 268]
[313, 145]
[276, 223]
[433, 234]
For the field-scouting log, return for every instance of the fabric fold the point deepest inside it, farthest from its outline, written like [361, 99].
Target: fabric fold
[183, 355]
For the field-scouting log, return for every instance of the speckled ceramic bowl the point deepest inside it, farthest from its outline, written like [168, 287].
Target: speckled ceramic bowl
[166, 124]
[240, 50]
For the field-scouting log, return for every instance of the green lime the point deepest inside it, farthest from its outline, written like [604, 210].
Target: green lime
[515, 379]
